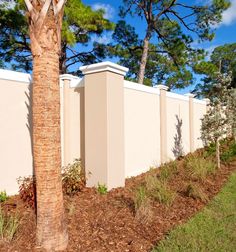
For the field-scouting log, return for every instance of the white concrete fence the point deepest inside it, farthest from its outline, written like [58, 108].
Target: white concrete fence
[118, 128]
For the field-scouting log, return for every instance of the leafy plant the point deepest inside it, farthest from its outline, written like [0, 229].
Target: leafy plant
[3, 196]
[229, 154]
[102, 189]
[199, 167]
[195, 192]
[73, 178]
[159, 191]
[27, 190]
[8, 226]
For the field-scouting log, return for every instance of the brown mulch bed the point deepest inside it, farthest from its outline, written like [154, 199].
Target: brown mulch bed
[107, 222]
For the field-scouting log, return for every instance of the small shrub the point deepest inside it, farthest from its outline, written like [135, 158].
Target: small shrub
[27, 190]
[210, 150]
[195, 192]
[229, 154]
[73, 178]
[8, 226]
[168, 170]
[159, 191]
[102, 189]
[3, 196]
[199, 167]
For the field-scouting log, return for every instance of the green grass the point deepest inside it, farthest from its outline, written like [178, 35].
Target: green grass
[213, 229]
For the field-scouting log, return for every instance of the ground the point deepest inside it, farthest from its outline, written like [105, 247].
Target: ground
[107, 222]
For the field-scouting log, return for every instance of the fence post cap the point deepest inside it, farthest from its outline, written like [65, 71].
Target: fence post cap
[162, 87]
[104, 66]
[190, 95]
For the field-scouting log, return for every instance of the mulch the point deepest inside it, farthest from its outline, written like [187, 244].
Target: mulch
[99, 223]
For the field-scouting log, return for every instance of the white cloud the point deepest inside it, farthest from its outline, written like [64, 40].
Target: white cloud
[103, 39]
[229, 16]
[109, 10]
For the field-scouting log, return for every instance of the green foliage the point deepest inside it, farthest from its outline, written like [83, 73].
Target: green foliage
[223, 60]
[159, 191]
[194, 191]
[173, 47]
[80, 23]
[9, 224]
[102, 189]
[212, 229]
[3, 196]
[199, 167]
[141, 197]
[229, 154]
[73, 178]
[167, 171]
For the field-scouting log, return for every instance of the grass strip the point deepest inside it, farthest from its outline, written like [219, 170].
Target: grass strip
[212, 229]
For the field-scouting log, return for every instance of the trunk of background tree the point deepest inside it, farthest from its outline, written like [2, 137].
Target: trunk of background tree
[218, 152]
[45, 45]
[144, 58]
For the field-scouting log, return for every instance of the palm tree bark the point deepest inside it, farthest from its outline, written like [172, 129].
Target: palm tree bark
[144, 57]
[45, 39]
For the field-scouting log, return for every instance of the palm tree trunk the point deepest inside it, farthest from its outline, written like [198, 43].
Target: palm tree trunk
[144, 57]
[45, 46]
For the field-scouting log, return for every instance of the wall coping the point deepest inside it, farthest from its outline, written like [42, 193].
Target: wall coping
[15, 76]
[140, 87]
[104, 66]
[75, 81]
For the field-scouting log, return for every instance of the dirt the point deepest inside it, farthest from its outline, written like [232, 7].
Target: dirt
[107, 222]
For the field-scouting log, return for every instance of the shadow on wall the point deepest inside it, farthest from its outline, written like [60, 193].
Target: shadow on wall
[178, 145]
[80, 91]
[29, 125]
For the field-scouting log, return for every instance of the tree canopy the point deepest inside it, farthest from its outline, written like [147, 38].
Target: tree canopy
[170, 22]
[223, 60]
[80, 23]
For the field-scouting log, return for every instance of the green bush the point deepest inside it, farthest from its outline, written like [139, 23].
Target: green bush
[3, 196]
[102, 189]
[159, 191]
[229, 154]
[73, 178]
[8, 226]
[199, 167]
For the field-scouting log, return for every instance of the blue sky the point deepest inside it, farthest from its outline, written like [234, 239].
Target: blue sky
[225, 32]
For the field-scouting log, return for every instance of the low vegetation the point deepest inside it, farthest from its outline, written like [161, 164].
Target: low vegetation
[102, 189]
[3, 196]
[213, 229]
[73, 180]
[9, 224]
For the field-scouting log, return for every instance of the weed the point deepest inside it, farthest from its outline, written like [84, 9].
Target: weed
[102, 189]
[159, 191]
[8, 226]
[73, 178]
[3, 196]
[199, 167]
[195, 192]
